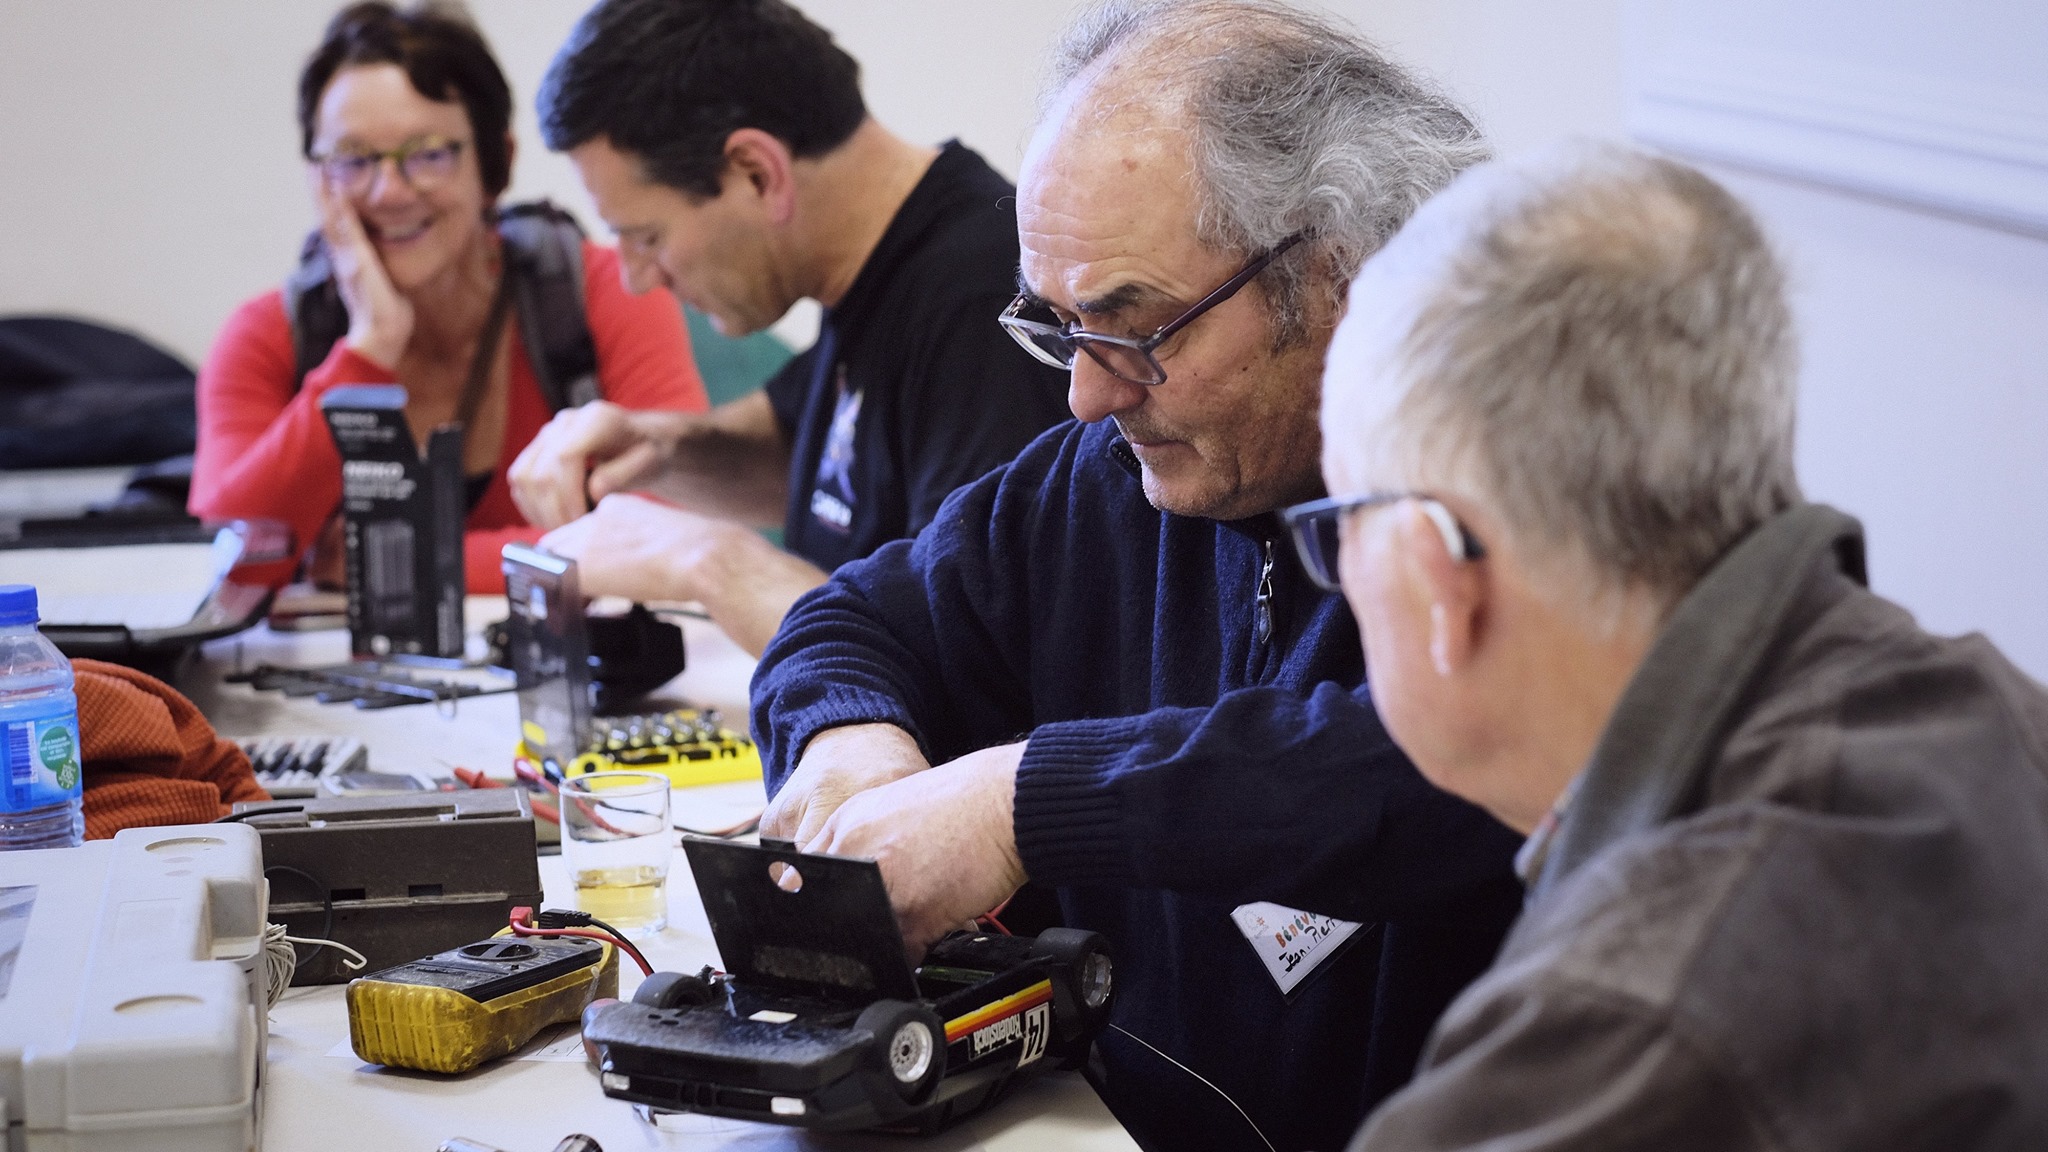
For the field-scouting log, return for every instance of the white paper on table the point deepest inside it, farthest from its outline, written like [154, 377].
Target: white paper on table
[144, 586]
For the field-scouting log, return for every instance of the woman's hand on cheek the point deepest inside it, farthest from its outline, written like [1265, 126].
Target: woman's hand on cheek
[380, 320]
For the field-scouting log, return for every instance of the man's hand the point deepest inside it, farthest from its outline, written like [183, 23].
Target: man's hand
[638, 548]
[837, 764]
[380, 320]
[943, 837]
[585, 454]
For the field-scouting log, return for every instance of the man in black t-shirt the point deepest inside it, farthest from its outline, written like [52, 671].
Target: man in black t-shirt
[729, 148]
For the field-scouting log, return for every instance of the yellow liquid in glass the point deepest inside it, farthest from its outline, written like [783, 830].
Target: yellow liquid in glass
[633, 899]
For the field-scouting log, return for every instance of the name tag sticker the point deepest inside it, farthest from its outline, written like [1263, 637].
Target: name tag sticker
[1291, 942]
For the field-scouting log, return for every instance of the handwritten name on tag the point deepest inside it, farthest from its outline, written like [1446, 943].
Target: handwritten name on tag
[1291, 942]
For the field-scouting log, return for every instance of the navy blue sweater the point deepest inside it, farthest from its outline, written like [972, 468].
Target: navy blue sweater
[1184, 758]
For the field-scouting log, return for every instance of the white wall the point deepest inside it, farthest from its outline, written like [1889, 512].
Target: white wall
[150, 178]
[149, 170]
[1924, 398]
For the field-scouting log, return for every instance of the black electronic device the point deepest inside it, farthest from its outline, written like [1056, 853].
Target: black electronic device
[402, 521]
[548, 650]
[574, 668]
[823, 1023]
[395, 877]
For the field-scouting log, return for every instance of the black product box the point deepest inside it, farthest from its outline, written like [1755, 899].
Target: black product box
[549, 650]
[395, 877]
[402, 518]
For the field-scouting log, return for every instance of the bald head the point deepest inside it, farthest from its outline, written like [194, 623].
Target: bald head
[1284, 123]
[1594, 346]
[1181, 144]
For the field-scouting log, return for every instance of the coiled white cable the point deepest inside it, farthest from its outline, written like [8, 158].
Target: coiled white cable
[281, 960]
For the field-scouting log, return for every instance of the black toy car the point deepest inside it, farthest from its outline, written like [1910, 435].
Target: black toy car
[821, 1021]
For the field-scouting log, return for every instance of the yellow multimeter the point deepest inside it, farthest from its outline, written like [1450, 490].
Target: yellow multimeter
[457, 1009]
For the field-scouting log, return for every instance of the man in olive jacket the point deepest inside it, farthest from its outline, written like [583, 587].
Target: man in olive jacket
[1788, 862]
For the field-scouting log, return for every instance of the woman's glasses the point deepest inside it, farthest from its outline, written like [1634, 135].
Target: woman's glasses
[423, 163]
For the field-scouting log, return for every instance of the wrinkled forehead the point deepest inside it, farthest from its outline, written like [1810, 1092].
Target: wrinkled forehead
[1366, 376]
[1107, 180]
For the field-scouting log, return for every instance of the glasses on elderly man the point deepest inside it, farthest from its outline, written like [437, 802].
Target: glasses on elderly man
[1314, 527]
[423, 162]
[1127, 358]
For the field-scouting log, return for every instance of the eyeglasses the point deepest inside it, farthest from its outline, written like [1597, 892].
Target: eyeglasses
[1314, 527]
[1124, 357]
[423, 163]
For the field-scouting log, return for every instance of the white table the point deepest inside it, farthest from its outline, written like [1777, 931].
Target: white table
[315, 1100]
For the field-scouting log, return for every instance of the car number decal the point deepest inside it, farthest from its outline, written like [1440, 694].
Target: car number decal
[997, 1024]
[1037, 1026]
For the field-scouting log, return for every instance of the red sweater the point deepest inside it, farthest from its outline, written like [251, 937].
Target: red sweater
[265, 452]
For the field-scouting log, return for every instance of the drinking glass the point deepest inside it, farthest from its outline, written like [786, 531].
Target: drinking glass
[616, 840]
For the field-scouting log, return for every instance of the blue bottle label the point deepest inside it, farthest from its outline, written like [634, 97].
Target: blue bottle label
[42, 757]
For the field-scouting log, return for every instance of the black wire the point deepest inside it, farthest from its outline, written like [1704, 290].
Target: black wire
[596, 923]
[557, 919]
[326, 898]
[732, 833]
[624, 944]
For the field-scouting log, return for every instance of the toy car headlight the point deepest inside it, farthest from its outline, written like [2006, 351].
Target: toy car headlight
[1095, 978]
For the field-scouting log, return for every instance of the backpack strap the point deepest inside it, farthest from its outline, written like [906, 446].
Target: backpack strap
[544, 262]
[544, 255]
[313, 305]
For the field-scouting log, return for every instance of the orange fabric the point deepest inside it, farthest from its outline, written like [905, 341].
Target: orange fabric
[150, 757]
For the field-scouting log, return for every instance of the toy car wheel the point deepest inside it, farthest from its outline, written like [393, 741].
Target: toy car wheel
[673, 990]
[910, 1043]
[1082, 993]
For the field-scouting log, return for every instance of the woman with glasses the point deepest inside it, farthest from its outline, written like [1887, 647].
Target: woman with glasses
[417, 277]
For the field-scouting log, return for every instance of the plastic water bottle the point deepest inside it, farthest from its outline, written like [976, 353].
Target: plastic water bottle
[41, 795]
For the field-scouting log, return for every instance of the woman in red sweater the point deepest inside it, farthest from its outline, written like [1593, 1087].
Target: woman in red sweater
[404, 119]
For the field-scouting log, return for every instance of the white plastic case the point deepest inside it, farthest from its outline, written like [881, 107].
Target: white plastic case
[131, 991]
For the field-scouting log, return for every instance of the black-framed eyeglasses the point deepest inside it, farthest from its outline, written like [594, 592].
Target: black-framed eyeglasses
[1314, 528]
[423, 162]
[1127, 358]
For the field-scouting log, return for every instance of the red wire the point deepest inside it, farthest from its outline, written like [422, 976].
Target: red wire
[524, 769]
[990, 915]
[542, 810]
[619, 942]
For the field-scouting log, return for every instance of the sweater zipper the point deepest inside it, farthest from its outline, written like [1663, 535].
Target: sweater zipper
[1262, 604]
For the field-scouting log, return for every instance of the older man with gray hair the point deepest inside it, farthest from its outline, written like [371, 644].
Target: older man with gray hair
[1787, 850]
[1099, 667]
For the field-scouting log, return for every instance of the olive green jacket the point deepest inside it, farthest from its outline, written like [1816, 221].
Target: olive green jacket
[1798, 900]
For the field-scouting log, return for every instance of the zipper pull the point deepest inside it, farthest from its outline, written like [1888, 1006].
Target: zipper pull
[1262, 606]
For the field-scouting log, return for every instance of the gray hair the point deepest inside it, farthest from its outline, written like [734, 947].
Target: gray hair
[1608, 355]
[1298, 126]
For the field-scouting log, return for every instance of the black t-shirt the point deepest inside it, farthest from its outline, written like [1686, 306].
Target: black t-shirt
[913, 389]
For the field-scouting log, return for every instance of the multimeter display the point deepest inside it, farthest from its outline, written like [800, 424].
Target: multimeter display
[496, 967]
